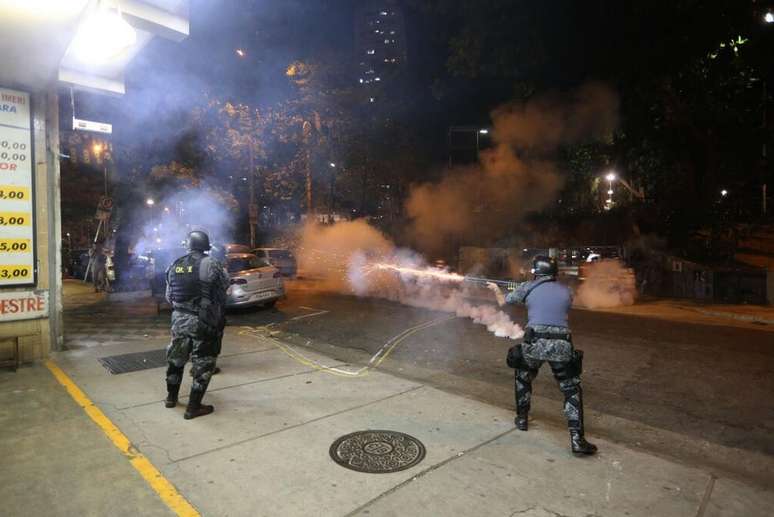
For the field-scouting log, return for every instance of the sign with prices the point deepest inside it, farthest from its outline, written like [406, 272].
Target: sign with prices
[17, 192]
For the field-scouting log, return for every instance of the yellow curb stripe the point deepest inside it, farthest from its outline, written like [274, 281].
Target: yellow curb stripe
[166, 490]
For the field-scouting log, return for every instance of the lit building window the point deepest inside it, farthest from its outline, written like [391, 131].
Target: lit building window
[386, 41]
[371, 99]
[377, 79]
[371, 52]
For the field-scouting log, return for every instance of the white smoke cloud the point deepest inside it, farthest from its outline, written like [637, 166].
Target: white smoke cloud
[343, 256]
[607, 284]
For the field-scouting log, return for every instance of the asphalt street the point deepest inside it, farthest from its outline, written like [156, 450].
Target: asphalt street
[712, 384]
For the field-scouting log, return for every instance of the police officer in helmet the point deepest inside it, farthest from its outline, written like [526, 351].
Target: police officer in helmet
[196, 289]
[547, 338]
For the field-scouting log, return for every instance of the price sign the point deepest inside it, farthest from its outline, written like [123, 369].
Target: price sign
[17, 230]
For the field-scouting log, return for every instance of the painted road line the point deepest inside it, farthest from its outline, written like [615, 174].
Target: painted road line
[374, 362]
[166, 490]
[304, 316]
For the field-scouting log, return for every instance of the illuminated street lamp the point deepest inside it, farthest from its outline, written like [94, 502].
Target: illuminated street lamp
[612, 176]
[150, 202]
[332, 164]
[768, 17]
[724, 193]
[103, 36]
[483, 131]
[240, 52]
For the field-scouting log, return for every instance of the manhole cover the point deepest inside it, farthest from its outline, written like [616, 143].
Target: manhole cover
[377, 452]
[135, 362]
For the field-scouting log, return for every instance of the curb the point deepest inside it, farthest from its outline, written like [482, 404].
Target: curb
[733, 316]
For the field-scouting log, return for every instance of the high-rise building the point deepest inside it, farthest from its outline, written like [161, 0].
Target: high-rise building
[380, 44]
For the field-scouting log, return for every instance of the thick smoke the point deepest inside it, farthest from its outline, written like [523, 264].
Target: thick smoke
[324, 251]
[171, 219]
[516, 176]
[342, 256]
[607, 284]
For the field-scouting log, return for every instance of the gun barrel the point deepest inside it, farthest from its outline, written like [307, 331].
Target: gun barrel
[479, 280]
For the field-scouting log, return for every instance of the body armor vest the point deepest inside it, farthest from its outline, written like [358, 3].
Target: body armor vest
[183, 278]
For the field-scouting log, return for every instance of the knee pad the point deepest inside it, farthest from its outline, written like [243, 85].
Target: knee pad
[174, 374]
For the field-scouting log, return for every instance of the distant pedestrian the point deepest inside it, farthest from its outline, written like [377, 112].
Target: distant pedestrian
[99, 269]
[196, 289]
[547, 338]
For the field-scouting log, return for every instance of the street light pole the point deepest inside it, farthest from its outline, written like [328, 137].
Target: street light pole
[252, 205]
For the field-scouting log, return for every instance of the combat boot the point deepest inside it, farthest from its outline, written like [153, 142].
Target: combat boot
[173, 390]
[522, 417]
[579, 444]
[195, 407]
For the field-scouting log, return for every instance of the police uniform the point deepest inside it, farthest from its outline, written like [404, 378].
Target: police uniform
[548, 339]
[196, 289]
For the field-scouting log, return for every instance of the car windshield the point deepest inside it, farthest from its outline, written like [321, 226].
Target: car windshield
[280, 254]
[235, 265]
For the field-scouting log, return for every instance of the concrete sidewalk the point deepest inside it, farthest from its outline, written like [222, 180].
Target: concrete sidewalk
[265, 449]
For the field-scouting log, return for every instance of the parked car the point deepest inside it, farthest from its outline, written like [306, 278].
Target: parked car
[253, 281]
[282, 259]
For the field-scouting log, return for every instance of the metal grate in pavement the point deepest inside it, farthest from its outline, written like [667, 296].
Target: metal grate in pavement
[134, 362]
[377, 452]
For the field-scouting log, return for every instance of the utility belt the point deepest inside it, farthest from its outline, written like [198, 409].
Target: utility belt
[531, 335]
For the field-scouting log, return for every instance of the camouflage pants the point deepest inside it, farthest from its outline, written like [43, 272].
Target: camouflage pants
[558, 354]
[185, 344]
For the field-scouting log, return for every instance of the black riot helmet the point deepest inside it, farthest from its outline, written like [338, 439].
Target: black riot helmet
[544, 266]
[198, 241]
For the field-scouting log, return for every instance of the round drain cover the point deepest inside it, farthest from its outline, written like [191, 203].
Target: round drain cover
[377, 452]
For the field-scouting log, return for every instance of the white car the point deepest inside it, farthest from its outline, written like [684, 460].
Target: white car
[253, 281]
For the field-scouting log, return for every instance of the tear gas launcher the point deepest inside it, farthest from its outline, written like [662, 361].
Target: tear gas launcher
[507, 284]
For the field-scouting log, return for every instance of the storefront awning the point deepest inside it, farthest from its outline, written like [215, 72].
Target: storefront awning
[39, 44]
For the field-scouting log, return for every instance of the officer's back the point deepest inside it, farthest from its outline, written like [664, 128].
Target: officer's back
[548, 304]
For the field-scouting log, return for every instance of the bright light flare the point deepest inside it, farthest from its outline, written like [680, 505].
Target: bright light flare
[724, 192]
[103, 36]
[610, 176]
[429, 272]
[768, 17]
[150, 202]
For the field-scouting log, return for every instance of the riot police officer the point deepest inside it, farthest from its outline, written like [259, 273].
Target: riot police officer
[547, 338]
[196, 289]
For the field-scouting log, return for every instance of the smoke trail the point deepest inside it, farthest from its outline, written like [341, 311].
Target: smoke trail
[343, 256]
[607, 284]
[517, 176]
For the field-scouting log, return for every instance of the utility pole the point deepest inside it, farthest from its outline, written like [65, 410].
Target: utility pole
[252, 205]
[307, 131]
